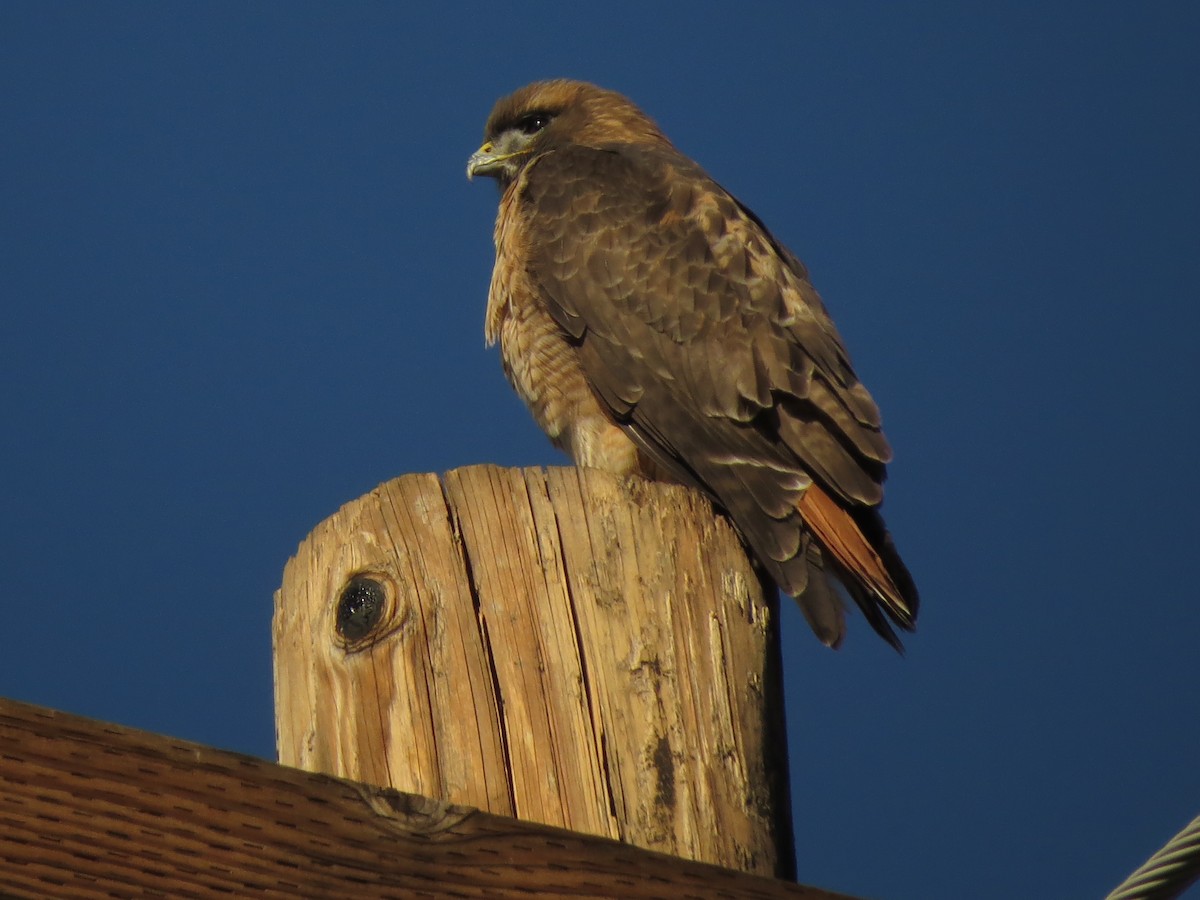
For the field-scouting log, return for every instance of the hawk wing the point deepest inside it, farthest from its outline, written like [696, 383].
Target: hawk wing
[703, 339]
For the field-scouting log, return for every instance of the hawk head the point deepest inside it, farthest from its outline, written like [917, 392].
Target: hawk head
[549, 114]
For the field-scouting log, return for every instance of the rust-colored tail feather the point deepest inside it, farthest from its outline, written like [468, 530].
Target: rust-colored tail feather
[867, 575]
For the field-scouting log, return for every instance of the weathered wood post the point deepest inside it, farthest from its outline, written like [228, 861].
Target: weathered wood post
[557, 645]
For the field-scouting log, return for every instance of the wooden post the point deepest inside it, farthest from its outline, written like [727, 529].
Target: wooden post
[557, 645]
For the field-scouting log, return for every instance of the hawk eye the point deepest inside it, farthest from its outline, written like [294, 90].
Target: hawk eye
[533, 123]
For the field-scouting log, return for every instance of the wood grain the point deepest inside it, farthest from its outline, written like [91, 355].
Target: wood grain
[560, 645]
[92, 810]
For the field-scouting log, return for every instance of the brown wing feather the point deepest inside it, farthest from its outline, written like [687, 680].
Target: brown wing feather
[704, 340]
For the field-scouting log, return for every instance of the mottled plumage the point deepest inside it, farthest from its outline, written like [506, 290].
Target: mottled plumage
[653, 325]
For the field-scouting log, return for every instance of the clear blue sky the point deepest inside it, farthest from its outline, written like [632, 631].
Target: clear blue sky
[242, 279]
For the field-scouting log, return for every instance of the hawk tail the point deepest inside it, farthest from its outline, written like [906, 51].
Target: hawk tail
[865, 560]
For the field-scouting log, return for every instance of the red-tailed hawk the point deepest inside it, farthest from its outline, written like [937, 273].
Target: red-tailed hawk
[654, 325]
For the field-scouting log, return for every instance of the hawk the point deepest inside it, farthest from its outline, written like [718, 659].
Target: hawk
[653, 325]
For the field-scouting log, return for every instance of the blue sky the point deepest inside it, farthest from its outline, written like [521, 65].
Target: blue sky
[242, 279]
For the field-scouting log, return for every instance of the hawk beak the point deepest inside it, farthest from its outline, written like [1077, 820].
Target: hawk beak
[480, 160]
[487, 161]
